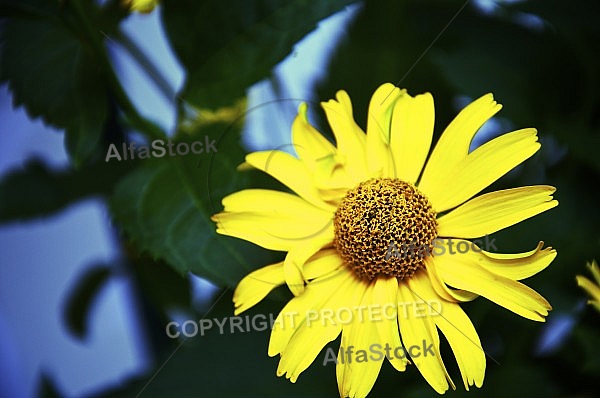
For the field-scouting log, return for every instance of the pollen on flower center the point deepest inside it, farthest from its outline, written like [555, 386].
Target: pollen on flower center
[386, 227]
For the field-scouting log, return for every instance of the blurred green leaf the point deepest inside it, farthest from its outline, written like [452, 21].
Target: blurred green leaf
[225, 49]
[47, 388]
[166, 205]
[161, 284]
[36, 190]
[572, 18]
[81, 298]
[52, 70]
[585, 347]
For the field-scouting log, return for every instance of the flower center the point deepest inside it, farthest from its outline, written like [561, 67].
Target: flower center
[384, 226]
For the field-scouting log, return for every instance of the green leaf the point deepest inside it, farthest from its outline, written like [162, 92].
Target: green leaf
[36, 191]
[51, 69]
[82, 297]
[226, 48]
[165, 207]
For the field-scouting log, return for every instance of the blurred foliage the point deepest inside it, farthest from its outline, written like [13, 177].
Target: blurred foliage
[50, 61]
[82, 297]
[47, 388]
[225, 49]
[36, 190]
[166, 206]
[539, 58]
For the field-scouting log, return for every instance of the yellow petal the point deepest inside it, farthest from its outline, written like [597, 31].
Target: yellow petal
[334, 196]
[460, 271]
[350, 138]
[590, 288]
[280, 232]
[234, 225]
[344, 370]
[465, 343]
[356, 377]
[267, 201]
[256, 285]
[494, 211]
[419, 331]
[462, 336]
[270, 217]
[385, 293]
[294, 314]
[378, 129]
[322, 263]
[299, 254]
[593, 267]
[412, 131]
[452, 295]
[310, 145]
[381, 108]
[515, 266]
[332, 180]
[481, 168]
[318, 330]
[142, 6]
[290, 171]
[453, 145]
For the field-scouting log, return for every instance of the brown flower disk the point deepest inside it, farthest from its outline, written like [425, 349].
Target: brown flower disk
[375, 216]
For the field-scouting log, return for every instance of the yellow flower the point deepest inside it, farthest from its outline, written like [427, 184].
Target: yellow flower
[591, 288]
[143, 6]
[369, 238]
